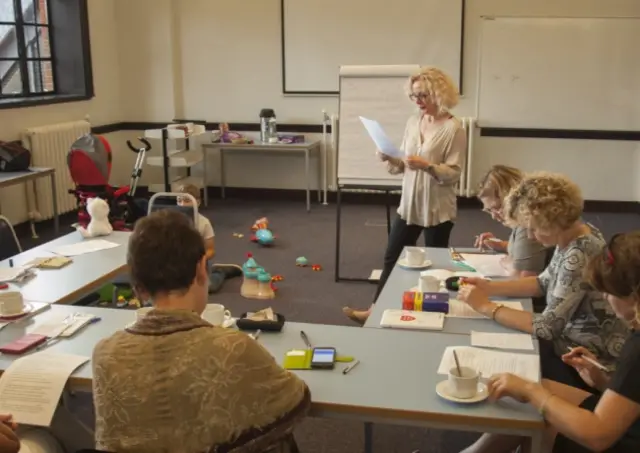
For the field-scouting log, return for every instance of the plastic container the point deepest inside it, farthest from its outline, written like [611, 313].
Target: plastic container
[268, 126]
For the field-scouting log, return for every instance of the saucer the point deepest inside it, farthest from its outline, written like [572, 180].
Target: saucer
[442, 389]
[26, 309]
[402, 262]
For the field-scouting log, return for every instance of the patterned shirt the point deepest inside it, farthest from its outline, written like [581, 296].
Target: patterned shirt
[575, 314]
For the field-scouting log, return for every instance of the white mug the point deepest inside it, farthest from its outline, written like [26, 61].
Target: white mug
[215, 314]
[142, 312]
[415, 256]
[465, 386]
[428, 284]
[11, 303]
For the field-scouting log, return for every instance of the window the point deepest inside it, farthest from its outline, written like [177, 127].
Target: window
[44, 52]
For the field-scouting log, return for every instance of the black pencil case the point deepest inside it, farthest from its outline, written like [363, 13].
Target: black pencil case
[266, 326]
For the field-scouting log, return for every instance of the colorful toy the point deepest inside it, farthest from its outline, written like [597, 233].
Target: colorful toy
[121, 302]
[277, 278]
[238, 235]
[417, 301]
[261, 232]
[257, 282]
[301, 261]
[316, 267]
[227, 136]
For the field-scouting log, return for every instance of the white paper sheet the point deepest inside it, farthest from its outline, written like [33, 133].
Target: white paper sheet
[486, 264]
[87, 246]
[459, 309]
[12, 274]
[380, 138]
[443, 274]
[31, 387]
[63, 326]
[488, 362]
[502, 340]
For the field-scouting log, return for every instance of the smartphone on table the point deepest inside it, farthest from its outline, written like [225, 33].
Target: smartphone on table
[323, 358]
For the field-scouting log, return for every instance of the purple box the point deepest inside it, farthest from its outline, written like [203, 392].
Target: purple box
[290, 138]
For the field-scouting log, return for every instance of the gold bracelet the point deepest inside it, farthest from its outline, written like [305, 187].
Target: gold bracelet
[543, 406]
[495, 311]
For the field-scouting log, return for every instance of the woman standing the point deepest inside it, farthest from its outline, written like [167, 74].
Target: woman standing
[434, 145]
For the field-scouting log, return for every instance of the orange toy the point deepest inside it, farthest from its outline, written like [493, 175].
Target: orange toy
[316, 267]
[260, 224]
[277, 278]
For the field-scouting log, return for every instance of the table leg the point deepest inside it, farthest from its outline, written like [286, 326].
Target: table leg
[321, 173]
[306, 175]
[204, 177]
[537, 442]
[222, 182]
[338, 219]
[54, 194]
[368, 437]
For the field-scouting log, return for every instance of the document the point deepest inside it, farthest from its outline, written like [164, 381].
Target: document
[486, 264]
[460, 309]
[443, 274]
[488, 362]
[63, 326]
[502, 340]
[31, 387]
[86, 246]
[380, 138]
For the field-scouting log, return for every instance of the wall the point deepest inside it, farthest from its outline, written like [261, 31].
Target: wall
[221, 61]
[103, 109]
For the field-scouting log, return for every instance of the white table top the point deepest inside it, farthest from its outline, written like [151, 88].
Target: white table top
[395, 380]
[402, 280]
[86, 273]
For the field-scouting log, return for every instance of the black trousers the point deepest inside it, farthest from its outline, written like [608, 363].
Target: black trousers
[403, 235]
[553, 368]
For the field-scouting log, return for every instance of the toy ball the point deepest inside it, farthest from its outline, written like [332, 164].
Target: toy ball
[264, 237]
[302, 261]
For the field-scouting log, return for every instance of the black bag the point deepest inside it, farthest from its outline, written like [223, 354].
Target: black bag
[14, 157]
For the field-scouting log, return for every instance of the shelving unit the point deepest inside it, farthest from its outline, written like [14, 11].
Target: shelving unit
[180, 149]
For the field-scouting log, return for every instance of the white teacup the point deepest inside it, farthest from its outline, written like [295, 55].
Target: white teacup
[142, 312]
[415, 256]
[216, 315]
[465, 386]
[11, 303]
[428, 284]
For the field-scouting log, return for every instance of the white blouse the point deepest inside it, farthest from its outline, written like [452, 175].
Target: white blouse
[429, 196]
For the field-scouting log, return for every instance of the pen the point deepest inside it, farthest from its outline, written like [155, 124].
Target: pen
[350, 367]
[596, 364]
[10, 262]
[305, 339]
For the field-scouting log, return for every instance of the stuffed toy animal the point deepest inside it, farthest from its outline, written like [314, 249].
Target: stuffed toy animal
[99, 225]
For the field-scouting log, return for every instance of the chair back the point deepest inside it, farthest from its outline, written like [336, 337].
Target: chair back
[9, 243]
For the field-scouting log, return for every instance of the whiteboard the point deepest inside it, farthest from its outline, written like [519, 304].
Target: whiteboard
[319, 36]
[560, 73]
[377, 93]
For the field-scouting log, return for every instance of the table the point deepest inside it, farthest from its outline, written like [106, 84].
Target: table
[18, 177]
[402, 280]
[86, 273]
[363, 395]
[307, 148]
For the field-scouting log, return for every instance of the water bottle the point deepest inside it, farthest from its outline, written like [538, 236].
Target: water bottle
[268, 129]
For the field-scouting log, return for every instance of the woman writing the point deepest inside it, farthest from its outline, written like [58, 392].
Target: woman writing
[549, 206]
[578, 421]
[525, 257]
[172, 381]
[434, 145]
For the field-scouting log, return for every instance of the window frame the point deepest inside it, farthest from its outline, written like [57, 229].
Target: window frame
[70, 55]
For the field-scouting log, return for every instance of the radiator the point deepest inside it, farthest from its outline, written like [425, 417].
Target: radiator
[49, 146]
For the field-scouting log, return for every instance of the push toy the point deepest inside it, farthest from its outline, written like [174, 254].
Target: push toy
[261, 232]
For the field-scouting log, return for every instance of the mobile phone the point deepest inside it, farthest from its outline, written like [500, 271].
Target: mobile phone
[323, 358]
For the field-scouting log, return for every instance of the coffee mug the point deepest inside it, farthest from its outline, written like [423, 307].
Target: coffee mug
[465, 386]
[415, 256]
[428, 284]
[215, 314]
[142, 312]
[11, 303]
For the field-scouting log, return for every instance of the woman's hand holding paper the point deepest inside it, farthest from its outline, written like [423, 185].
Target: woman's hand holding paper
[417, 163]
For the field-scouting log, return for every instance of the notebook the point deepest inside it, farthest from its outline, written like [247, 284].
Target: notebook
[418, 320]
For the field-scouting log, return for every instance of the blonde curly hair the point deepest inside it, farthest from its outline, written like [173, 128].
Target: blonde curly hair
[546, 201]
[438, 85]
[498, 182]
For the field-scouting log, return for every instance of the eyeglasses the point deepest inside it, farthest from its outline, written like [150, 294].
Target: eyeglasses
[419, 96]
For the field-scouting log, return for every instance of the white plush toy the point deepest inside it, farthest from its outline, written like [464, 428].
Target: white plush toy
[99, 225]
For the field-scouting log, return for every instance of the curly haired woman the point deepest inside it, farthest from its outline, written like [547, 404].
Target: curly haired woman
[550, 207]
[434, 146]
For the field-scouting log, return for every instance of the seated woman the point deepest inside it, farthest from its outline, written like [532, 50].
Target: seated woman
[526, 257]
[577, 421]
[172, 381]
[550, 207]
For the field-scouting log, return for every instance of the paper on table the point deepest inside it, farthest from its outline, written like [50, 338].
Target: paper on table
[31, 387]
[502, 340]
[80, 248]
[64, 326]
[443, 274]
[459, 309]
[11, 274]
[486, 264]
[382, 141]
[488, 362]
